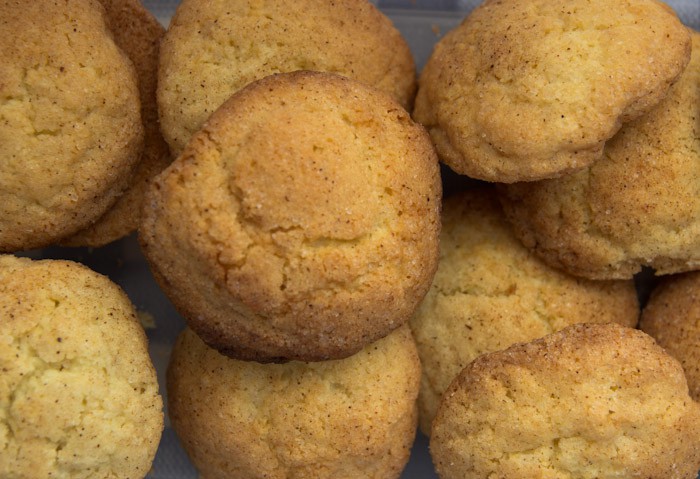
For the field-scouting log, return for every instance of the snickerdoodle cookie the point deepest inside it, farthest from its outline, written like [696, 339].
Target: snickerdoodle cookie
[350, 418]
[78, 392]
[301, 223]
[639, 205]
[591, 401]
[490, 292]
[214, 48]
[70, 126]
[672, 317]
[522, 91]
[137, 32]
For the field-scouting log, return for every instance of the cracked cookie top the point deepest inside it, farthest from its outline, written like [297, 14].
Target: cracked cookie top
[78, 392]
[637, 206]
[490, 292]
[70, 126]
[522, 91]
[591, 401]
[342, 419]
[137, 32]
[301, 223]
[216, 47]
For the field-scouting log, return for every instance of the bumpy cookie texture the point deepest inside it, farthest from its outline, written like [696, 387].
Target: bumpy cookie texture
[638, 206]
[522, 91]
[301, 223]
[351, 418]
[672, 317]
[78, 392]
[589, 402]
[490, 292]
[216, 47]
[138, 34]
[70, 126]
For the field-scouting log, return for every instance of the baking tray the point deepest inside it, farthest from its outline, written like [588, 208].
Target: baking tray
[422, 22]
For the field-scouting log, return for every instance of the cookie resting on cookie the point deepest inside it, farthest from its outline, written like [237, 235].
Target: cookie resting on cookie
[526, 90]
[214, 48]
[138, 33]
[637, 206]
[301, 223]
[70, 125]
[596, 401]
[491, 292]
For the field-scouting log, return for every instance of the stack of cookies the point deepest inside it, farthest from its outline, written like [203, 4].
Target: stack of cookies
[78, 391]
[334, 299]
[80, 134]
[586, 115]
[296, 232]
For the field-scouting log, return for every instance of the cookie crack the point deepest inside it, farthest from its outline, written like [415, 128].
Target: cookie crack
[473, 289]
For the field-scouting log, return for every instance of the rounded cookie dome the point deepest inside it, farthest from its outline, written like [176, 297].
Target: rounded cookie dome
[637, 206]
[491, 292]
[342, 419]
[214, 48]
[301, 223]
[78, 392]
[71, 129]
[591, 401]
[522, 91]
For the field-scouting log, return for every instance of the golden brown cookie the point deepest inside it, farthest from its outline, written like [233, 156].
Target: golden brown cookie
[137, 32]
[638, 206]
[672, 317]
[591, 401]
[301, 223]
[78, 392]
[214, 48]
[70, 126]
[522, 91]
[350, 418]
[490, 292]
